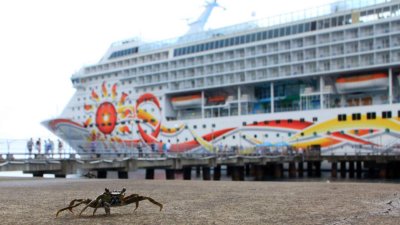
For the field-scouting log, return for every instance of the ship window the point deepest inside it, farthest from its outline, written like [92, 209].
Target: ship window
[255, 123]
[356, 116]
[342, 117]
[194, 126]
[204, 126]
[371, 116]
[290, 121]
[315, 119]
[313, 25]
[255, 136]
[266, 135]
[265, 122]
[387, 115]
[233, 137]
[213, 125]
[270, 34]
[244, 136]
[301, 120]
[244, 123]
[277, 121]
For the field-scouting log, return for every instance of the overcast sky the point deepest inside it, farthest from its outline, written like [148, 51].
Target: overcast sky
[43, 42]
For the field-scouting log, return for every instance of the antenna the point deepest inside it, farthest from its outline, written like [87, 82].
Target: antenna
[198, 25]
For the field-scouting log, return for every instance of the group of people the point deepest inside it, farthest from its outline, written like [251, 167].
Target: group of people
[48, 147]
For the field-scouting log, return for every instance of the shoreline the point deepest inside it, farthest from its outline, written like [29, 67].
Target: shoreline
[204, 202]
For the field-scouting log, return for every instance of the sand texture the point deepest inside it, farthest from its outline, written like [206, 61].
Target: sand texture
[35, 201]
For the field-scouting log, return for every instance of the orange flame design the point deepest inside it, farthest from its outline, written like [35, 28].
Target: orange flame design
[123, 98]
[87, 122]
[124, 129]
[88, 107]
[114, 91]
[104, 89]
[95, 96]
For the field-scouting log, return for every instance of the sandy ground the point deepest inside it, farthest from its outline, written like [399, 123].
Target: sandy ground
[35, 201]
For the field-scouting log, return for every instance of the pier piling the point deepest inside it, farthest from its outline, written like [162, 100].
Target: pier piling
[149, 174]
[217, 172]
[206, 173]
[187, 172]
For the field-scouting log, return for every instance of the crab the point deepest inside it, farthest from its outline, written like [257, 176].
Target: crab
[107, 200]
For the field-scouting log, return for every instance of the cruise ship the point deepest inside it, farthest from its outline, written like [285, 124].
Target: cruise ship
[323, 79]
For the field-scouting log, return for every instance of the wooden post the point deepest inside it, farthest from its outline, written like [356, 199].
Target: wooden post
[149, 174]
[187, 172]
[102, 174]
[292, 169]
[351, 169]
[300, 168]
[206, 173]
[343, 169]
[170, 174]
[217, 172]
[122, 175]
[334, 170]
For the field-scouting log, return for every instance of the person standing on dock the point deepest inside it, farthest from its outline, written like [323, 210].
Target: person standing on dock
[38, 145]
[60, 147]
[29, 146]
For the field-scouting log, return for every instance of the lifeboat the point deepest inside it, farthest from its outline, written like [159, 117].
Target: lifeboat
[377, 81]
[186, 101]
[216, 99]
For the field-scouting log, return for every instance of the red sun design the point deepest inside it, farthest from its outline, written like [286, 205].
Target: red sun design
[106, 117]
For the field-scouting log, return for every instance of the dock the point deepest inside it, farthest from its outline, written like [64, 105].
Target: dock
[259, 167]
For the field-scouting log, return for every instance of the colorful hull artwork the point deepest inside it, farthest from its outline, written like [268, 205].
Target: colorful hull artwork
[114, 122]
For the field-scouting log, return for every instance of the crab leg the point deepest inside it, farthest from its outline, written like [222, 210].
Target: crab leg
[71, 205]
[135, 198]
[91, 204]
